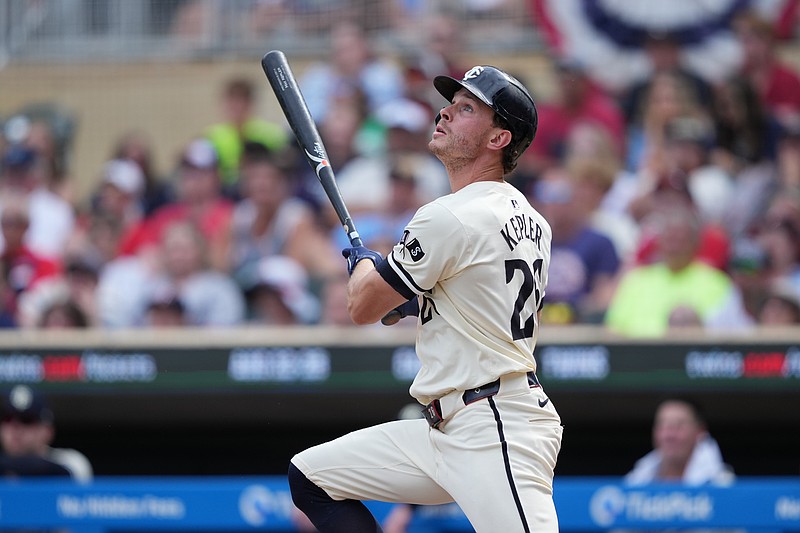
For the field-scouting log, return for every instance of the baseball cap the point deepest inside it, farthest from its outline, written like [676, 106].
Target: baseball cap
[406, 114]
[165, 296]
[199, 153]
[125, 175]
[504, 94]
[783, 289]
[289, 280]
[25, 405]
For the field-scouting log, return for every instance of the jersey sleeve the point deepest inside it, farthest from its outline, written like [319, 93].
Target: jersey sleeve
[431, 249]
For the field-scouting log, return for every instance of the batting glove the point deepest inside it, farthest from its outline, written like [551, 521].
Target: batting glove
[356, 254]
[409, 308]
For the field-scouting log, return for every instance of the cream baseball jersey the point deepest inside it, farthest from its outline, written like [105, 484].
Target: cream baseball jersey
[478, 261]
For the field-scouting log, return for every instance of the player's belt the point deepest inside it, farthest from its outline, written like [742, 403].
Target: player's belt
[443, 408]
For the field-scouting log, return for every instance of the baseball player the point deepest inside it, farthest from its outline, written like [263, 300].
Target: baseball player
[475, 264]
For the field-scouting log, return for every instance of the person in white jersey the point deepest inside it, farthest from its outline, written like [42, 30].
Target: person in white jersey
[475, 264]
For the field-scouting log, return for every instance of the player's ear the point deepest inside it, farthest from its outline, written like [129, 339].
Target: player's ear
[499, 139]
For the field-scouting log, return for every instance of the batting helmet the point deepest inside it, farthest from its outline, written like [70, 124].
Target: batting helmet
[505, 95]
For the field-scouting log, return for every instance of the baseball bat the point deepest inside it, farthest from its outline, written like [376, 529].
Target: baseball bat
[295, 109]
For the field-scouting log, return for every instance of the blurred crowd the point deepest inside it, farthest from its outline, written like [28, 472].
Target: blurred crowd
[673, 203]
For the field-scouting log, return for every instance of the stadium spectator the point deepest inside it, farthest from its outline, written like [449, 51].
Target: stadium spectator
[603, 187]
[7, 320]
[241, 125]
[685, 174]
[688, 142]
[746, 133]
[115, 209]
[714, 246]
[683, 449]
[577, 100]
[333, 296]
[663, 52]
[441, 51]
[165, 310]
[684, 452]
[668, 96]
[23, 268]
[351, 66]
[71, 295]
[584, 263]
[272, 18]
[199, 200]
[119, 195]
[789, 155]
[122, 298]
[779, 237]
[97, 237]
[137, 146]
[776, 83]
[365, 182]
[279, 294]
[780, 306]
[27, 431]
[42, 139]
[270, 221]
[179, 264]
[51, 218]
[211, 298]
[63, 315]
[647, 295]
[444, 50]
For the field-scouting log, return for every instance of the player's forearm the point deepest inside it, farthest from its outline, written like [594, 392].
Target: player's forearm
[369, 297]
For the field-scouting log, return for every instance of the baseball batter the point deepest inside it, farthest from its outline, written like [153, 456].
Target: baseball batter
[473, 266]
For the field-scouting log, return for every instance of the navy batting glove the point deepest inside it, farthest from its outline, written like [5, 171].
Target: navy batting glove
[409, 308]
[356, 254]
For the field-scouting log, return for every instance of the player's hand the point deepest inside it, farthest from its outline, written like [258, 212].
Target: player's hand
[357, 253]
[409, 308]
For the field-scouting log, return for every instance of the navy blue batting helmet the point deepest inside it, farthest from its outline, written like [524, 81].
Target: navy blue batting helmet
[504, 94]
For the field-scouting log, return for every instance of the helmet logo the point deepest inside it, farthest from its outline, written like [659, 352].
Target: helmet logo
[474, 72]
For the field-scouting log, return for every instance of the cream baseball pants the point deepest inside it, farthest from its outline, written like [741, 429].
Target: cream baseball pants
[494, 458]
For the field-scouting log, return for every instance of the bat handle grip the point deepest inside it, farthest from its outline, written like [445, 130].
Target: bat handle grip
[352, 234]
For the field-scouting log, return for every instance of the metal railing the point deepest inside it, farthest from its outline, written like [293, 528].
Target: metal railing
[136, 30]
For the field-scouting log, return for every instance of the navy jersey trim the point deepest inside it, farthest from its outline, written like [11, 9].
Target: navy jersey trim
[507, 463]
[392, 278]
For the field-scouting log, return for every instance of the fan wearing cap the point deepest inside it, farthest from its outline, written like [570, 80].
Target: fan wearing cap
[279, 293]
[475, 264]
[26, 432]
[23, 268]
[120, 191]
[199, 200]
[51, 217]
